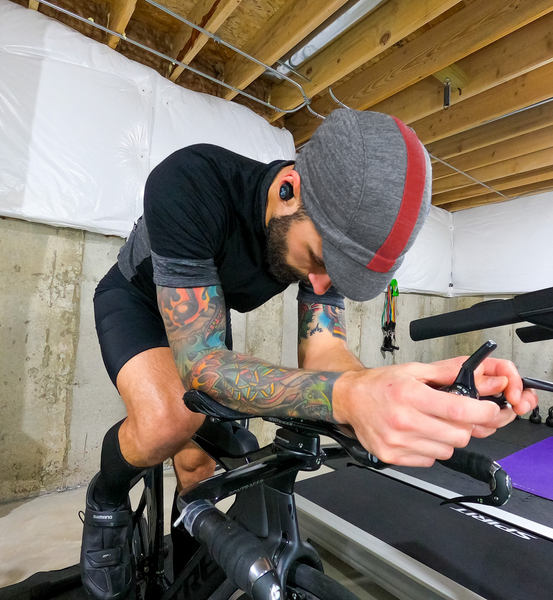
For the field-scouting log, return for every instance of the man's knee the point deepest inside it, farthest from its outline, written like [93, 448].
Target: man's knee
[163, 434]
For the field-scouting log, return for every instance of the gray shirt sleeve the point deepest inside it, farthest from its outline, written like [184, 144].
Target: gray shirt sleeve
[331, 297]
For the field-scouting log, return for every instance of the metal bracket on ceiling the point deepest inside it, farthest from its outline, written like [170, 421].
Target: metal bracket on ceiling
[447, 93]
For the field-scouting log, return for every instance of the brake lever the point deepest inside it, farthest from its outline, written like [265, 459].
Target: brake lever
[470, 463]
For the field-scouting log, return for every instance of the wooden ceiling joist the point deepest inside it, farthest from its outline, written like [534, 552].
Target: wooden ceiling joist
[525, 190]
[526, 121]
[523, 50]
[187, 43]
[506, 183]
[526, 90]
[465, 32]
[282, 32]
[386, 25]
[34, 4]
[513, 166]
[119, 17]
[524, 144]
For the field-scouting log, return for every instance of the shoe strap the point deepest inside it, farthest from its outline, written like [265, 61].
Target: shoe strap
[107, 518]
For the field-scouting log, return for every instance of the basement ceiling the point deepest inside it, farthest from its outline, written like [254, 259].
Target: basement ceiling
[493, 58]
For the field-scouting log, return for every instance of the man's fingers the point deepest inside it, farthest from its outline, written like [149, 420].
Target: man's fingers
[489, 386]
[459, 409]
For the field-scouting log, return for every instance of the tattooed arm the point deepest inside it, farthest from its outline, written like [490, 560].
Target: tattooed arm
[322, 340]
[195, 322]
[394, 411]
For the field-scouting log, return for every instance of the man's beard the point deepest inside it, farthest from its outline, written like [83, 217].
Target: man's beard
[277, 248]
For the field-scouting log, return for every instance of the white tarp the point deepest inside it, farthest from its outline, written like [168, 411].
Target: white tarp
[427, 265]
[504, 248]
[81, 126]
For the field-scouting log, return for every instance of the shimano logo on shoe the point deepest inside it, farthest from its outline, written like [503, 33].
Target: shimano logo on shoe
[520, 534]
[103, 517]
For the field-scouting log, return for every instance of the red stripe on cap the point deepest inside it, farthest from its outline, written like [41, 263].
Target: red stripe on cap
[415, 179]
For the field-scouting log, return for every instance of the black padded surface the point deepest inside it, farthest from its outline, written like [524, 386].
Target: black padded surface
[493, 562]
[514, 437]
[497, 561]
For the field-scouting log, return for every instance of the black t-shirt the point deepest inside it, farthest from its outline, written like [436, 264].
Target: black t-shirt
[204, 224]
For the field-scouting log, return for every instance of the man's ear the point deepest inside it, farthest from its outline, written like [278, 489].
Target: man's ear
[289, 203]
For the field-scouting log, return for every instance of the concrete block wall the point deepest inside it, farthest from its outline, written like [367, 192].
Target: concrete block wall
[57, 401]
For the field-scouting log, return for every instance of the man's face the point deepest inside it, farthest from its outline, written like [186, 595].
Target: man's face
[295, 251]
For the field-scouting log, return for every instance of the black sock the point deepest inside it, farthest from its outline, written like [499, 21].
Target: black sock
[113, 485]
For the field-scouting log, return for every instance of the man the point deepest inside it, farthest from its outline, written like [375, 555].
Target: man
[221, 231]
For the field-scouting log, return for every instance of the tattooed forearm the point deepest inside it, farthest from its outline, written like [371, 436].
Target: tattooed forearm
[250, 385]
[195, 323]
[317, 318]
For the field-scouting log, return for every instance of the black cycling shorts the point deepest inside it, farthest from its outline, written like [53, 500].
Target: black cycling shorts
[128, 322]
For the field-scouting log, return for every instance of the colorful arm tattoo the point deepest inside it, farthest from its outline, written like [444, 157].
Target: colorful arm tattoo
[195, 322]
[317, 318]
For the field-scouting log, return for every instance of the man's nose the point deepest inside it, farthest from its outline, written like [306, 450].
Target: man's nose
[320, 283]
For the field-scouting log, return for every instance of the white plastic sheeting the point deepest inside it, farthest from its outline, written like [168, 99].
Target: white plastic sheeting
[504, 248]
[427, 265]
[82, 126]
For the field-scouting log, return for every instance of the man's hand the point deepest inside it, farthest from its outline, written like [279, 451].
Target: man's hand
[399, 415]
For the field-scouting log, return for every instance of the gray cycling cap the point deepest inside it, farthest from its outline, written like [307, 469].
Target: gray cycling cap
[366, 183]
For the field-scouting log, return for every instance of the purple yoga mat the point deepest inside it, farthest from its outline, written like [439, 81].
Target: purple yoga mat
[531, 469]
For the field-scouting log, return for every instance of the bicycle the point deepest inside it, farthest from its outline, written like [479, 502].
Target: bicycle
[255, 549]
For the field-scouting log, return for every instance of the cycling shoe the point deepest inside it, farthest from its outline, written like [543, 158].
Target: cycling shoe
[106, 569]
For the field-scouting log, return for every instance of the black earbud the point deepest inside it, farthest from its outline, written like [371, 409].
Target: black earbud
[286, 191]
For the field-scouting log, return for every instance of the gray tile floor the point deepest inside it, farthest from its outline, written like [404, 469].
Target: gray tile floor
[44, 533]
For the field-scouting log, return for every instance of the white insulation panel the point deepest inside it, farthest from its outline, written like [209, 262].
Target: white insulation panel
[504, 248]
[427, 266]
[82, 126]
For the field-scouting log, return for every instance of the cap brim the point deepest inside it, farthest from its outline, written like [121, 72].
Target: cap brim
[353, 280]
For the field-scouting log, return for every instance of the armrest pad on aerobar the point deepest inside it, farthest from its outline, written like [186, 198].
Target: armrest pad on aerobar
[491, 313]
[200, 402]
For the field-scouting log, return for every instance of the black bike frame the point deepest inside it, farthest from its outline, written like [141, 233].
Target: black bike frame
[264, 488]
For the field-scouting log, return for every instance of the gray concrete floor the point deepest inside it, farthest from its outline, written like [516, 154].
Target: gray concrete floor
[44, 534]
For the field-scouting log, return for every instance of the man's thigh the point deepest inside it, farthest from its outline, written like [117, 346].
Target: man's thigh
[139, 361]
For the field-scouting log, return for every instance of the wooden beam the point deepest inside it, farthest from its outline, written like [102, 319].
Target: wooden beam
[524, 144]
[531, 88]
[526, 121]
[467, 31]
[526, 190]
[119, 17]
[520, 164]
[523, 50]
[284, 30]
[208, 14]
[505, 183]
[34, 4]
[456, 75]
[389, 23]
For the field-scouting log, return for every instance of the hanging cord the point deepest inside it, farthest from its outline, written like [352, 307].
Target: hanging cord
[388, 320]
